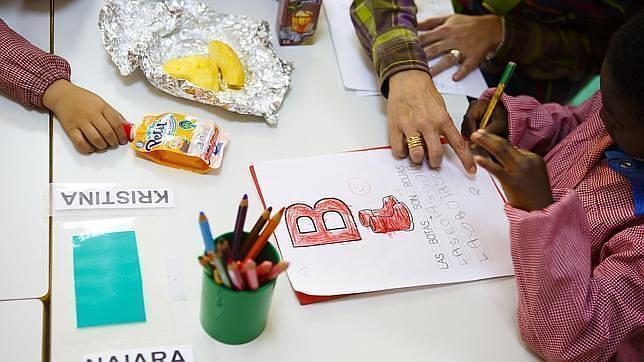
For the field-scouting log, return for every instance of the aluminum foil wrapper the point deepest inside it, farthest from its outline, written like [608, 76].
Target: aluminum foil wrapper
[146, 33]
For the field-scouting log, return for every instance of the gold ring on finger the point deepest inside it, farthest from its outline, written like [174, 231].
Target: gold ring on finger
[415, 141]
[456, 54]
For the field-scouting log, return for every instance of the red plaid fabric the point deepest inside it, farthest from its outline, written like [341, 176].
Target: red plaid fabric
[26, 71]
[579, 263]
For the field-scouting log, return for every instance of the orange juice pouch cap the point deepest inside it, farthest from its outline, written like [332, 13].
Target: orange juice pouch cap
[180, 141]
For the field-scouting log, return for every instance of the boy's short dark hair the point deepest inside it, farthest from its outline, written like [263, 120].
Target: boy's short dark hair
[625, 57]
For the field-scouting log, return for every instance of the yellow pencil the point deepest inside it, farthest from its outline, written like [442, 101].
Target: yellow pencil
[505, 78]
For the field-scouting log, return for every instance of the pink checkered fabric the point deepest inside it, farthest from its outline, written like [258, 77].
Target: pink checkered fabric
[25, 70]
[579, 263]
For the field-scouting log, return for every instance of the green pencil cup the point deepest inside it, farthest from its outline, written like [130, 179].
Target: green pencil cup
[236, 317]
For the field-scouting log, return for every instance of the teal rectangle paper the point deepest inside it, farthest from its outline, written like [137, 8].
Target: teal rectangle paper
[107, 279]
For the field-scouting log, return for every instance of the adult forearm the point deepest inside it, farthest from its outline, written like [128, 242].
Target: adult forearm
[547, 51]
[387, 31]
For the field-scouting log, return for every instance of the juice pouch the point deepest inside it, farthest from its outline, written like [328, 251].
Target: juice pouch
[180, 141]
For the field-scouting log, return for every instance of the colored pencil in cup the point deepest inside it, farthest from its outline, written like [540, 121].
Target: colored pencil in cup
[254, 233]
[239, 227]
[505, 78]
[205, 263]
[224, 247]
[263, 268]
[217, 277]
[263, 237]
[221, 268]
[250, 273]
[235, 276]
[275, 271]
[205, 232]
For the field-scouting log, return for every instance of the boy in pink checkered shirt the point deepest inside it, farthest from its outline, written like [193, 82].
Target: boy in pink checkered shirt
[574, 181]
[42, 80]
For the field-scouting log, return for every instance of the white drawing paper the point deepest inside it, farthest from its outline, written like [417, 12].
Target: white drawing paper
[365, 221]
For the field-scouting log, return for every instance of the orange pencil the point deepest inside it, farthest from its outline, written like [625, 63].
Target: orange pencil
[254, 233]
[263, 237]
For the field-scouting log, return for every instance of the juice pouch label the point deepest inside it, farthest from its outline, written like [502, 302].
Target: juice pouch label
[297, 21]
[180, 141]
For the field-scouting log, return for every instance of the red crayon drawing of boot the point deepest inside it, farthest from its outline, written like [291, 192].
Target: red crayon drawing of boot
[393, 216]
[328, 221]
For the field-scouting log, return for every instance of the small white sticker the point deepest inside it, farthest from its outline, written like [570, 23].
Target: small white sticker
[174, 277]
[109, 196]
[156, 354]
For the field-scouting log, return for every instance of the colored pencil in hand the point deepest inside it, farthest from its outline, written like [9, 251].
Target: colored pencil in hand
[239, 227]
[263, 237]
[505, 78]
[205, 232]
[254, 233]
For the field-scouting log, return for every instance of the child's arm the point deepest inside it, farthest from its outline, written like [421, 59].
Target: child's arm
[539, 127]
[26, 71]
[36, 78]
[567, 310]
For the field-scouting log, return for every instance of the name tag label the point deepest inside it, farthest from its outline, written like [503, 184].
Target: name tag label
[109, 196]
[156, 354]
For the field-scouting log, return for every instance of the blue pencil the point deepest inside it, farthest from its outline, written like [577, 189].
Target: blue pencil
[205, 232]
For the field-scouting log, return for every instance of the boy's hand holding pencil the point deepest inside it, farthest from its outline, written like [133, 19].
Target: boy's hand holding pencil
[522, 173]
[489, 115]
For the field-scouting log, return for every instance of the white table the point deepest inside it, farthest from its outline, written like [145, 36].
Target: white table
[474, 321]
[24, 145]
[21, 330]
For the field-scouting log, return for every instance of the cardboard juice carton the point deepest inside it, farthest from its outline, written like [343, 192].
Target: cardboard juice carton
[297, 20]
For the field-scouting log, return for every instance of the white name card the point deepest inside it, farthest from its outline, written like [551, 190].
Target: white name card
[70, 196]
[156, 354]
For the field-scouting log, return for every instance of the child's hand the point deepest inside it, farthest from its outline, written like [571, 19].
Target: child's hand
[498, 123]
[522, 173]
[88, 120]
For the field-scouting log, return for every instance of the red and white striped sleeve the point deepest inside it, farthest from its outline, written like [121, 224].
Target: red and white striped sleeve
[569, 311]
[25, 70]
[539, 127]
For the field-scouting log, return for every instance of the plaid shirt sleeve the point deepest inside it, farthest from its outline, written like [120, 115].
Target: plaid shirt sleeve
[387, 31]
[26, 71]
[568, 310]
[549, 51]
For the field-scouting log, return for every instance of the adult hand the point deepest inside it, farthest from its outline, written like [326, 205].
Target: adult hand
[498, 123]
[474, 36]
[88, 120]
[416, 109]
[522, 173]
